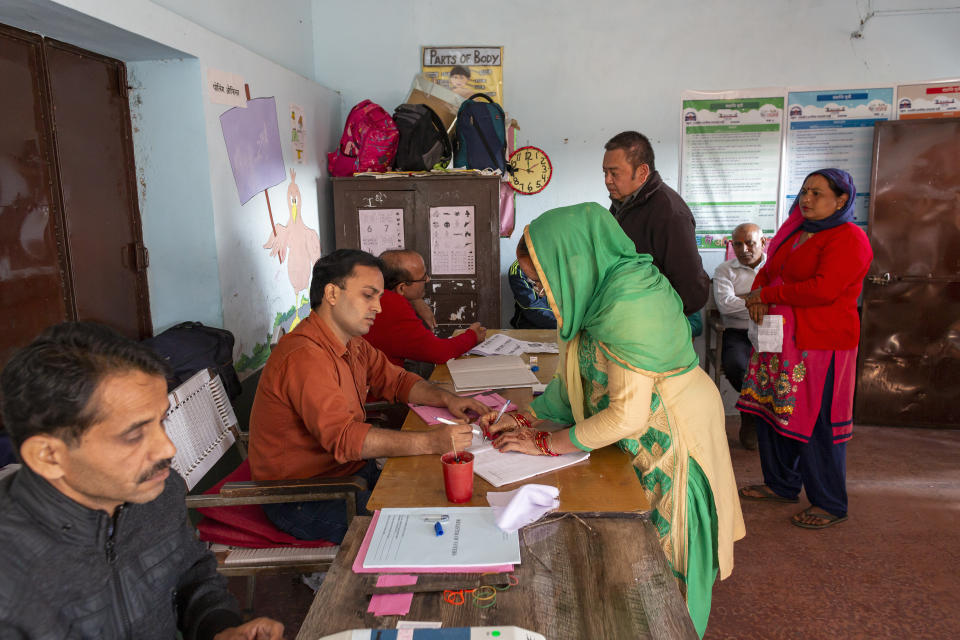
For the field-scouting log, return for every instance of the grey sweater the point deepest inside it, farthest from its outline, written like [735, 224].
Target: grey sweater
[67, 571]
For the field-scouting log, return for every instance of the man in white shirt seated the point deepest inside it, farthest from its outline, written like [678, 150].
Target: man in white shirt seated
[732, 281]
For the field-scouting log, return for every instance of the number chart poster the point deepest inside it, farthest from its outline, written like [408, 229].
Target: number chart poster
[730, 161]
[830, 128]
[465, 70]
[933, 100]
[380, 230]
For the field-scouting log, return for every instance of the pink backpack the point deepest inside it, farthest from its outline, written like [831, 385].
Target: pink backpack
[369, 142]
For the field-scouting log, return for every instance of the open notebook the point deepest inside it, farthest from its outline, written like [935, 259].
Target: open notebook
[503, 468]
[199, 422]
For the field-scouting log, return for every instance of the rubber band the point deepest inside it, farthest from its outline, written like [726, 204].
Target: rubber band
[477, 596]
[485, 606]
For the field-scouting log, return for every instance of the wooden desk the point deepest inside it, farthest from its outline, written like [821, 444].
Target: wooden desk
[604, 482]
[577, 579]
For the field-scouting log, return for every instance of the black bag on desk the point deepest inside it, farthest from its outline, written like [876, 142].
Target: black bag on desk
[191, 346]
[423, 139]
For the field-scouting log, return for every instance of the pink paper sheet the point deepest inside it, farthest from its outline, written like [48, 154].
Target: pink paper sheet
[430, 415]
[362, 553]
[392, 604]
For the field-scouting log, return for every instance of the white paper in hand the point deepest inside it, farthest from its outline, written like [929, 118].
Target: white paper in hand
[767, 337]
[518, 508]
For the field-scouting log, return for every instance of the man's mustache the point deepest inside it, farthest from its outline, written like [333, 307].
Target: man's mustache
[157, 468]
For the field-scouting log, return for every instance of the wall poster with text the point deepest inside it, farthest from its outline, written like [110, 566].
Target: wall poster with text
[929, 100]
[833, 128]
[730, 160]
[465, 70]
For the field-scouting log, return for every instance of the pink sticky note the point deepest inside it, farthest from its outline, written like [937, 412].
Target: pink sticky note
[392, 604]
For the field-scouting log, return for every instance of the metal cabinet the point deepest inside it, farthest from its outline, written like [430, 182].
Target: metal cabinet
[452, 221]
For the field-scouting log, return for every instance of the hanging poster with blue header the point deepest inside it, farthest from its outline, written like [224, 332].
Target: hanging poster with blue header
[833, 128]
[730, 160]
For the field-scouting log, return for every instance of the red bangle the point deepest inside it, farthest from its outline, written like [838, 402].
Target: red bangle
[521, 420]
[541, 440]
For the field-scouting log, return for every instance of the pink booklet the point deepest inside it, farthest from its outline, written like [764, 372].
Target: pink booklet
[362, 554]
[432, 415]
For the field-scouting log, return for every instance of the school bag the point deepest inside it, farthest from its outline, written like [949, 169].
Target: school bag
[481, 135]
[423, 140]
[191, 346]
[368, 143]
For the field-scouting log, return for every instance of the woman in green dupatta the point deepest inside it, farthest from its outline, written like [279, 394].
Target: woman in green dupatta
[628, 375]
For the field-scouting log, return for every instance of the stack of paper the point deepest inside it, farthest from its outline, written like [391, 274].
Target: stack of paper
[501, 344]
[504, 468]
[493, 372]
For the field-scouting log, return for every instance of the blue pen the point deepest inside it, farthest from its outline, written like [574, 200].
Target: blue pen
[438, 528]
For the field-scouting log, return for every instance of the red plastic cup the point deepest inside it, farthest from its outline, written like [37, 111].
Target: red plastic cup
[458, 475]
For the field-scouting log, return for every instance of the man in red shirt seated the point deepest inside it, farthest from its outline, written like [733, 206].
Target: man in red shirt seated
[308, 418]
[399, 329]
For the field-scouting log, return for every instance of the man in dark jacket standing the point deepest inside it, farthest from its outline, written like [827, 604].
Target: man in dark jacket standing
[94, 536]
[654, 216]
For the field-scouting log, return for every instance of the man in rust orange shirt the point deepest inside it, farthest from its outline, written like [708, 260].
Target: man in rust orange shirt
[308, 418]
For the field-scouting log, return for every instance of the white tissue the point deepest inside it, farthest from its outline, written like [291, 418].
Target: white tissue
[518, 508]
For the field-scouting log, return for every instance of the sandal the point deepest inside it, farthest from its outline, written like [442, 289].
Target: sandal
[828, 518]
[769, 495]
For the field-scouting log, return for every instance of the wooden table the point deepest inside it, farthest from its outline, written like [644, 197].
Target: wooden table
[605, 482]
[577, 579]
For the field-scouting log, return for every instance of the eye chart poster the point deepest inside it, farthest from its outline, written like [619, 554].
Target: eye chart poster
[453, 244]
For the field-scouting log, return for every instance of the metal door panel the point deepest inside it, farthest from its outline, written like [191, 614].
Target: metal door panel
[96, 163]
[909, 371]
[33, 291]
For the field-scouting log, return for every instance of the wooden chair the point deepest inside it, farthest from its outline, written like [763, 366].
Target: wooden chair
[713, 337]
[203, 426]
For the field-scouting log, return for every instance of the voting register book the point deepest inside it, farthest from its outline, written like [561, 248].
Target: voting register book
[491, 372]
[470, 537]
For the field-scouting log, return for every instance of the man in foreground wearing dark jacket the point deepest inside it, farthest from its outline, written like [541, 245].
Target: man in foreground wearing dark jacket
[654, 216]
[94, 536]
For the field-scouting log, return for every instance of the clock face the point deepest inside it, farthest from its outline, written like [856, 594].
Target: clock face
[531, 170]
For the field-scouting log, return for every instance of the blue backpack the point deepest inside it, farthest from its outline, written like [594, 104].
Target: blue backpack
[481, 135]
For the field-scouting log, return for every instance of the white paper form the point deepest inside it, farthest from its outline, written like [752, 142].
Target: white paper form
[380, 230]
[453, 246]
[471, 538]
[500, 344]
[505, 468]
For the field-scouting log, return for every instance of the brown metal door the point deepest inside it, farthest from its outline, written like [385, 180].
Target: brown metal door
[96, 163]
[909, 372]
[33, 286]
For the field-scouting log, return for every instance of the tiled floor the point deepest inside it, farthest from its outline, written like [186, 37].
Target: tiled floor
[891, 571]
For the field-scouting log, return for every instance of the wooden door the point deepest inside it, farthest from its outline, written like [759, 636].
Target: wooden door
[909, 373]
[70, 240]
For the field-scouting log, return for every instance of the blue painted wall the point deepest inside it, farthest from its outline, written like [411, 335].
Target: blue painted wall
[173, 180]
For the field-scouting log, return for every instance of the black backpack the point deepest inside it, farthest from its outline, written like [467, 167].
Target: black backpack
[190, 346]
[423, 139]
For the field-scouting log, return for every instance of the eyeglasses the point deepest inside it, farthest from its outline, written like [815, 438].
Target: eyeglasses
[424, 279]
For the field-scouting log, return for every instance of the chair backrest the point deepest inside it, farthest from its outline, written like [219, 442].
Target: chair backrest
[202, 425]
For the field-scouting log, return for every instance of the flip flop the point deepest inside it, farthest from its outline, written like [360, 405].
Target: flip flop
[822, 515]
[769, 495]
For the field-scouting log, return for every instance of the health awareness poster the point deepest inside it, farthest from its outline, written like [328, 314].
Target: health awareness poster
[833, 128]
[730, 160]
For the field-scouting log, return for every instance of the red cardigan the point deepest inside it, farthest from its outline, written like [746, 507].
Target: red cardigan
[400, 333]
[822, 280]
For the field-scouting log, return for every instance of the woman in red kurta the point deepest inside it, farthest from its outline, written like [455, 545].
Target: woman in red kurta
[803, 396]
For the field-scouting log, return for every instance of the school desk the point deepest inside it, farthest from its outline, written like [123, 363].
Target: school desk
[604, 482]
[581, 576]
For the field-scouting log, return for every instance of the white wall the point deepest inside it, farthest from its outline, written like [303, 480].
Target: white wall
[576, 73]
[206, 248]
[280, 31]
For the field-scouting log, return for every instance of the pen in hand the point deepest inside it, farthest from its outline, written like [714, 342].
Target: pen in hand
[475, 431]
